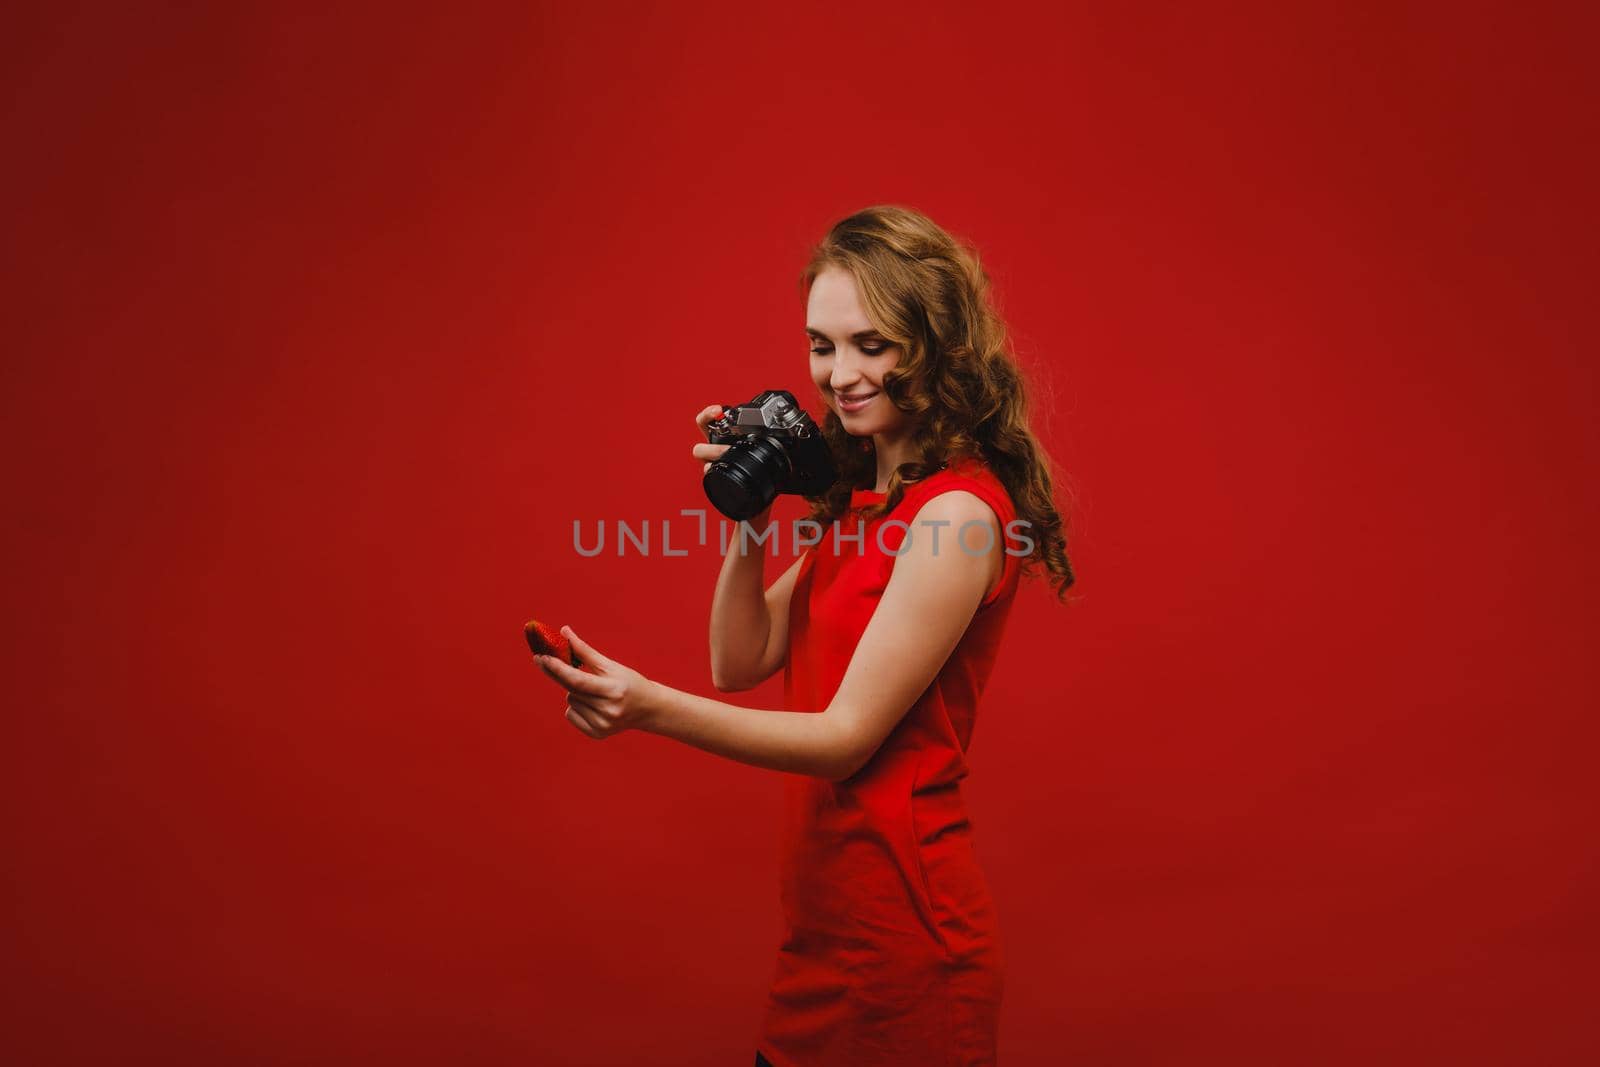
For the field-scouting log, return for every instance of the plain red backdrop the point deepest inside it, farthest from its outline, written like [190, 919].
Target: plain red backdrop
[322, 328]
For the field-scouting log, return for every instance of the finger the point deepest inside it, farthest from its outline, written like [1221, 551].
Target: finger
[706, 469]
[570, 677]
[596, 718]
[709, 451]
[604, 722]
[585, 651]
[711, 411]
[581, 723]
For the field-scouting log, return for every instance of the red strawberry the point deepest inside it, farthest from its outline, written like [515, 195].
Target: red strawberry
[547, 641]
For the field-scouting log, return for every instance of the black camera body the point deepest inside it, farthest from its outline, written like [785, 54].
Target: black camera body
[773, 447]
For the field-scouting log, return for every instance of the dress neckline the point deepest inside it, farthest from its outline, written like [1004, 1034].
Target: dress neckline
[870, 496]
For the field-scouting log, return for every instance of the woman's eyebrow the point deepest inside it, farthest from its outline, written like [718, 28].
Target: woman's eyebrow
[859, 335]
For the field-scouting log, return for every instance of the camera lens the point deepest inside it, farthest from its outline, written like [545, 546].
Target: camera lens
[745, 478]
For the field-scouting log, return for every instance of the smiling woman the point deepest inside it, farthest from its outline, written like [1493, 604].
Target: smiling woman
[891, 950]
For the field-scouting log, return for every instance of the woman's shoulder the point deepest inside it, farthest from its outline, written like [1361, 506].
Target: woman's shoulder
[972, 474]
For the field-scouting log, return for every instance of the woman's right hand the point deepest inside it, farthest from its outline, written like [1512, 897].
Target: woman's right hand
[705, 451]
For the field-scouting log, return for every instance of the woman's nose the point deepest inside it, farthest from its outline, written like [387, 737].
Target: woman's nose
[845, 373]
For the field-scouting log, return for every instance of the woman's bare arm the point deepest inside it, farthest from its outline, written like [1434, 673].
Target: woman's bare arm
[926, 607]
[749, 628]
[799, 742]
[776, 652]
[932, 594]
[749, 636]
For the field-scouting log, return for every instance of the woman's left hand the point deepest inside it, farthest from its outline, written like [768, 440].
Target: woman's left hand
[613, 699]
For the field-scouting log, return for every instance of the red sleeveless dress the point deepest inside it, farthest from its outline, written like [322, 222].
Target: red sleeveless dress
[891, 950]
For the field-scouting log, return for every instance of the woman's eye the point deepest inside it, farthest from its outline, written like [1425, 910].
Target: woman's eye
[871, 350]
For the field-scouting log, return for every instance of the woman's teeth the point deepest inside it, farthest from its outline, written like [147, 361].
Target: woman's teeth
[857, 404]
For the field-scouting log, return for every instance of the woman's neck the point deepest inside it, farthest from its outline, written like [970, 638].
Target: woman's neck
[891, 452]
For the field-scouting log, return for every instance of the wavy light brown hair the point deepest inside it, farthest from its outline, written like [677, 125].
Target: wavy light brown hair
[956, 378]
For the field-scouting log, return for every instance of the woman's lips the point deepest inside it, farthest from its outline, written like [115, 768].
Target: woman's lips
[846, 405]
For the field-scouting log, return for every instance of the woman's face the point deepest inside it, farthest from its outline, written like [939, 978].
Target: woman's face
[848, 357]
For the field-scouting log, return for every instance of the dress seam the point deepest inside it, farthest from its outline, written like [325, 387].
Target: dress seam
[946, 960]
[922, 871]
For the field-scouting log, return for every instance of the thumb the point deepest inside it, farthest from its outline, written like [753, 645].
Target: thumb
[583, 649]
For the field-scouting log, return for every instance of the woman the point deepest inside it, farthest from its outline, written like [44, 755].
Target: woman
[891, 953]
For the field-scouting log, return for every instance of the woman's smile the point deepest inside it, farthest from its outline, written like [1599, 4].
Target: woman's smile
[860, 401]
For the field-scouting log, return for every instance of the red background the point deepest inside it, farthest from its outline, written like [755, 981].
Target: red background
[321, 330]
